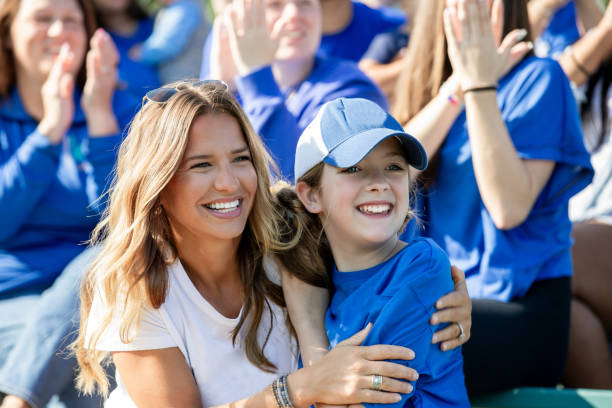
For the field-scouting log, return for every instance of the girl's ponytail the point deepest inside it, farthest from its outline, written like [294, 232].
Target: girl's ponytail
[308, 256]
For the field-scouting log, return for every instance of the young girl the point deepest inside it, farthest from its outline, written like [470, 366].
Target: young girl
[353, 181]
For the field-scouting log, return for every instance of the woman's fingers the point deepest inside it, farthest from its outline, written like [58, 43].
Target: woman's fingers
[391, 370]
[386, 352]
[378, 397]
[357, 338]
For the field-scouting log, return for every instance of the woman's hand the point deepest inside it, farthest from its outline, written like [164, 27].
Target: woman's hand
[57, 97]
[251, 44]
[102, 62]
[344, 375]
[456, 308]
[476, 58]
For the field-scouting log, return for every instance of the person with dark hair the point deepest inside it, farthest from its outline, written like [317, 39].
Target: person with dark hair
[60, 122]
[129, 26]
[503, 170]
[589, 65]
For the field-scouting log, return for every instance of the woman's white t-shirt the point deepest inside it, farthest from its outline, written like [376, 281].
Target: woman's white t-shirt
[187, 321]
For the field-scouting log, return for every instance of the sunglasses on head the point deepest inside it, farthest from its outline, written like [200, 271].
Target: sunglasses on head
[163, 94]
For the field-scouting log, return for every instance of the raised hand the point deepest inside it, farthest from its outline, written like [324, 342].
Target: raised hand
[251, 44]
[102, 61]
[57, 97]
[471, 34]
[222, 65]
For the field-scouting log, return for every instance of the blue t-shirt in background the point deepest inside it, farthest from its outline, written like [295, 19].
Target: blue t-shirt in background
[540, 113]
[561, 32]
[280, 115]
[398, 297]
[135, 77]
[352, 42]
[49, 194]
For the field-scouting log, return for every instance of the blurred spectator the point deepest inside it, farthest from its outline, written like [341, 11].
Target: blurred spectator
[589, 362]
[129, 26]
[557, 24]
[350, 26]
[270, 57]
[60, 123]
[383, 59]
[497, 190]
[175, 46]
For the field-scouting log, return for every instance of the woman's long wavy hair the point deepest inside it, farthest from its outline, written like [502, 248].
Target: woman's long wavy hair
[426, 65]
[134, 234]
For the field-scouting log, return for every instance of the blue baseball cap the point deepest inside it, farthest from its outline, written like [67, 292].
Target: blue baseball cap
[345, 130]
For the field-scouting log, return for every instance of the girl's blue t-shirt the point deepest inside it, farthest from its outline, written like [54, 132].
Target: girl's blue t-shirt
[398, 297]
[135, 77]
[540, 113]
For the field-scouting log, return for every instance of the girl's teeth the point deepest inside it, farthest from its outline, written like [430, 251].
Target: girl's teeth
[375, 209]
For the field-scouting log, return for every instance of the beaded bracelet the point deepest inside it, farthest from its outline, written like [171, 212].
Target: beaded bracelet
[281, 392]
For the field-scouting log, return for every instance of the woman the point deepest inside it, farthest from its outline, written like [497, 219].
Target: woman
[508, 164]
[129, 26]
[60, 121]
[182, 292]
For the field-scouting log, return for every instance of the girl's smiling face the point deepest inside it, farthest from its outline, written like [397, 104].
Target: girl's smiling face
[365, 205]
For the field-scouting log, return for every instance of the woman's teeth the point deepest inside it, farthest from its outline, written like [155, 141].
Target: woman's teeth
[224, 207]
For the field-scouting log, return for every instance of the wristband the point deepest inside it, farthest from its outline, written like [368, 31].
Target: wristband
[480, 89]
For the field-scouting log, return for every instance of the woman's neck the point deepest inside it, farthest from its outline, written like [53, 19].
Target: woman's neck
[214, 270]
[120, 23]
[291, 73]
[31, 98]
[349, 257]
[337, 15]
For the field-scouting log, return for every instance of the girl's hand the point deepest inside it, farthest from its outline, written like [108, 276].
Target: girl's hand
[344, 375]
[251, 44]
[456, 308]
[476, 59]
[57, 97]
[102, 62]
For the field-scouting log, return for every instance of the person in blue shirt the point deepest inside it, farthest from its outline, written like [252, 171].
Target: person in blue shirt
[175, 46]
[129, 26]
[60, 123]
[352, 169]
[504, 168]
[269, 56]
[350, 26]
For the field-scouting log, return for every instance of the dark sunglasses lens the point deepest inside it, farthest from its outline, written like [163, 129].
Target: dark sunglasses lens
[161, 94]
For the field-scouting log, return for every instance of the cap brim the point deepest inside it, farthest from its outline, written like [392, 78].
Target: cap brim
[348, 154]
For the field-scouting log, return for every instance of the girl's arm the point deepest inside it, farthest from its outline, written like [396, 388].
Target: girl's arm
[306, 305]
[162, 378]
[433, 122]
[585, 56]
[508, 184]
